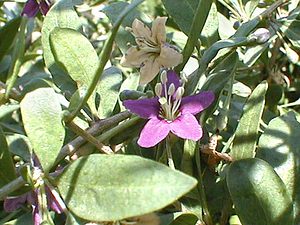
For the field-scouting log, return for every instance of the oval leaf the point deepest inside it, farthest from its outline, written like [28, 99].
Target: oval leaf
[258, 194]
[61, 14]
[279, 145]
[120, 186]
[77, 55]
[41, 113]
[244, 143]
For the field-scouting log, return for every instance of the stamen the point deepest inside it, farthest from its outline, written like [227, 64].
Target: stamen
[163, 77]
[158, 89]
[171, 90]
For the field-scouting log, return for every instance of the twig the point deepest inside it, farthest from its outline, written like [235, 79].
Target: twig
[11, 187]
[90, 138]
[94, 130]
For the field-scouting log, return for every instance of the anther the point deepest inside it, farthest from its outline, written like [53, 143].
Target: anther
[158, 89]
[171, 90]
[163, 77]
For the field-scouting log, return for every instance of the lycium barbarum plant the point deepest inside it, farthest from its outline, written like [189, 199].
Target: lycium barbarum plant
[112, 91]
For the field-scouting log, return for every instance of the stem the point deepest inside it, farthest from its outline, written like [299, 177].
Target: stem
[169, 153]
[95, 130]
[90, 138]
[104, 137]
[104, 57]
[14, 94]
[11, 187]
[195, 31]
[18, 55]
[206, 214]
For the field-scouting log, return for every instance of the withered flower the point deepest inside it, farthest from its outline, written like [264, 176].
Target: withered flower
[152, 51]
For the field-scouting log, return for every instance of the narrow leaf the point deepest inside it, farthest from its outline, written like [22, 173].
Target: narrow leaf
[108, 88]
[42, 114]
[7, 168]
[258, 194]
[120, 186]
[244, 143]
[7, 35]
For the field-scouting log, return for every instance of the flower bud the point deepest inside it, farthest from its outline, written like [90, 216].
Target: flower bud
[261, 35]
[171, 89]
[158, 89]
[163, 77]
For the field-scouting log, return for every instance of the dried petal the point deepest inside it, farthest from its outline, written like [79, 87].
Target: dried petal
[134, 57]
[169, 57]
[140, 30]
[159, 30]
[149, 70]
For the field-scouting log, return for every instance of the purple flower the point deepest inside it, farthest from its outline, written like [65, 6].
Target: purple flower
[54, 201]
[169, 111]
[32, 7]
[13, 203]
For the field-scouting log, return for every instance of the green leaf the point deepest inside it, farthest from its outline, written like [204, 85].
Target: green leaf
[279, 145]
[217, 80]
[246, 134]
[183, 12]
[77, 55]
[108, 88]
[114, 187]
[209, 34]
[185, 219]
[292, 32]
[42, 118]
[63, 15]
[7, 35]
[7, 167]
[19, 145]
[258, 194]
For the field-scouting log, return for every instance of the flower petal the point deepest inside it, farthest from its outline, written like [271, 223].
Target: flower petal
[196, 103]
[53, 201]
[37, 218]
[140, 30]
[30, 9]
[145, 108]
[44, 7]
[153, 132]
[159, 30]
[169, 57]
[134, 57]
[186, 126]
[149, 70]
[13, 203]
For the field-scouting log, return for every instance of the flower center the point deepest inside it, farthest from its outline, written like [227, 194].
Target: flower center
[169, 98]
